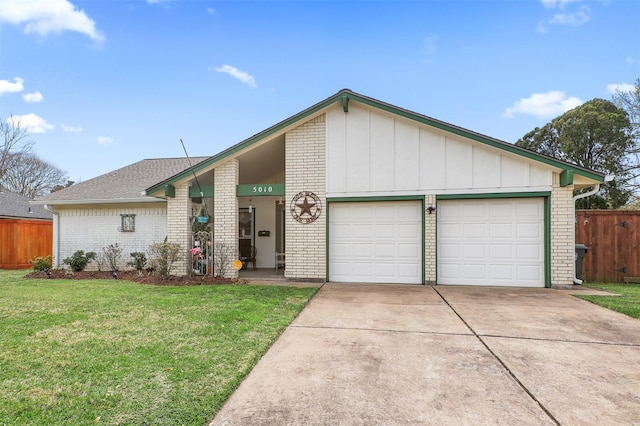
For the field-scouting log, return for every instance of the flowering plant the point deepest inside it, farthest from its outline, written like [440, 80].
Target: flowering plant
[196, 251]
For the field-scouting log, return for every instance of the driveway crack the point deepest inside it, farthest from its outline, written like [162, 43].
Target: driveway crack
[497, 358]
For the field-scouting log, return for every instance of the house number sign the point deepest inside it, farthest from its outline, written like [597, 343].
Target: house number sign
[305, 207]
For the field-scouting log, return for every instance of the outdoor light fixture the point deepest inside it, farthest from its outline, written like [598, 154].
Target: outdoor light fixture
[431, 209]
[250, 206]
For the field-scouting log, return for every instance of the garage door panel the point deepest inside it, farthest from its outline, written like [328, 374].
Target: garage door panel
[376, 242]
[491, 242]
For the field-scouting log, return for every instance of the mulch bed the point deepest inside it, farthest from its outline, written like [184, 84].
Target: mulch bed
[150, 279]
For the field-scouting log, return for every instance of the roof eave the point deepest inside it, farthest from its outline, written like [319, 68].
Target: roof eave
[97, 201]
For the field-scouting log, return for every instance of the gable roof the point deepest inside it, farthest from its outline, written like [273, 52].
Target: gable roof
[17, 206]
[343, 97]
[126, 184]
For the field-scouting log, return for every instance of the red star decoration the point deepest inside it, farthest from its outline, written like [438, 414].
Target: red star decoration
[305, 207]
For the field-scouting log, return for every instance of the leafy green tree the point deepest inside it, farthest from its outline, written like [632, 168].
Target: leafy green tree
[597, 135]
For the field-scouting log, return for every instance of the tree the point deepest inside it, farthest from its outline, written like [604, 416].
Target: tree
[28, 175]
[13, 140]
[629, 101]
[597, 135]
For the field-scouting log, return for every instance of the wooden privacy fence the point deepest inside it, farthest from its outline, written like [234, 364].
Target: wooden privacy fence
[22, 240]
[612, 240]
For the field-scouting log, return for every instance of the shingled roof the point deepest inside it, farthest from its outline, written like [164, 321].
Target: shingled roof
[123, 185]
[16, 206]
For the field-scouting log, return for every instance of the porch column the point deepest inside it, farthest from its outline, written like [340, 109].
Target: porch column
[179, 227]
[225, 214]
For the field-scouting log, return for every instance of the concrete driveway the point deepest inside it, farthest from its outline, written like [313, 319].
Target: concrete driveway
[396, 355]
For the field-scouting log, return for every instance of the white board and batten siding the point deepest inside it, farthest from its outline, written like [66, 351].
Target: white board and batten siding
[376, 242]
[494, 242]
[370, 152]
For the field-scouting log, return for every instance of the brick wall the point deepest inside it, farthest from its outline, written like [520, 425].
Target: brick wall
[306, 171]
[225, 212]
[92, 228]
[179, 226]
[562, 234]
[430, 242]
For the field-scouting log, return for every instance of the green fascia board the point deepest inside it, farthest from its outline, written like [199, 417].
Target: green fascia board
[260, 189]
[346, 95]
[194, 191]
[170, 191]
[545, 195]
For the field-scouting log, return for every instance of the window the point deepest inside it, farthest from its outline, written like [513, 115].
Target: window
[128, 222]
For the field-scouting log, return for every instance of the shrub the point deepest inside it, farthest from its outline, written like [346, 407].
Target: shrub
[222, 258]
[139, 261]
[163, 255]
[41, 263]
[79, 260]
[111, 254]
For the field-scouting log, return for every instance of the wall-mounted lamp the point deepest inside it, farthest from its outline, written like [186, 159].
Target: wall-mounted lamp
[431, 209]
[250, 206]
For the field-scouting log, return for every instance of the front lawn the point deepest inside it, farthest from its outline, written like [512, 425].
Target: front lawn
[628, 301]
[79, 352]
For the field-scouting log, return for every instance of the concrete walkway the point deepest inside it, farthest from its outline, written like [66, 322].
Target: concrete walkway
[399, 355]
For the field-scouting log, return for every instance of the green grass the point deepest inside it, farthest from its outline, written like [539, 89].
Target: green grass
[628, 301]
[114, 352]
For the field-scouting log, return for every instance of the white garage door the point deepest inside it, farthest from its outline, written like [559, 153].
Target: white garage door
[496, 242]
[376, 242]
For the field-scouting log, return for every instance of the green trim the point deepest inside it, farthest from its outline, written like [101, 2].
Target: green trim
[170, 191]
[547, 241]
[346, 95]
[566, 178]
[260, 189]
[494, 195]
[377, 198]
[194, 191]
[545, 195]
[338, 200]
[345, 103]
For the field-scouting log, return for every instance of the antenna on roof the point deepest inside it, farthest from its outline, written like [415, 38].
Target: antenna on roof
[192, 170]
[203, 215]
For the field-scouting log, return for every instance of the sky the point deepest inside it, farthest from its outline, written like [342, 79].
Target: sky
[105, 83]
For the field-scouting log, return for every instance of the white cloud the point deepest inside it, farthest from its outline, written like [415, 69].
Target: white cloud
[621, 87]
[33, 123]
[8, 87]
[234, 72]
[543, 105]
[552, 4]
[71, 129]
[574, 19]
[105, 140]
[34, 97]
[632, 61]
[48, 16]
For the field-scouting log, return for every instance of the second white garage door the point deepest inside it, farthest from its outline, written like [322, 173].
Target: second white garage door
[376, 242]
[497, 242]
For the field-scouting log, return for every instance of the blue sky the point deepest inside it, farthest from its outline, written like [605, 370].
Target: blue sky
[105, 83]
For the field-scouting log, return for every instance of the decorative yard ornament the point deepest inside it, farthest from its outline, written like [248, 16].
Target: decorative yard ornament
[305, 207]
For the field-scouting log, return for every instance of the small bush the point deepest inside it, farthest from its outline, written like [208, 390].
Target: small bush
[41, 263]
[111, 254]
[163, 255]
[139, 261]
[79, 260]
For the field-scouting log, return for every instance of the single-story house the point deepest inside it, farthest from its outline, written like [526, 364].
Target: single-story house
[25, 231]
[351, 189]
